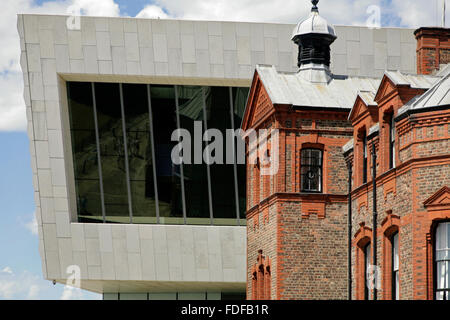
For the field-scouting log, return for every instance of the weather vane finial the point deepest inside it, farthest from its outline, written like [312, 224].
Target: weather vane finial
[315, 8]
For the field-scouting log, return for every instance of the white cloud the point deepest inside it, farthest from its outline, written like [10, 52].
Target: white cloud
[419, 13]
[408, 13]
[152, 12]
[6, 270]
[72, 293]
[27, 285]
[283, 11]
[33, 292]
[12, 106]
[32, 225]
[19, 286]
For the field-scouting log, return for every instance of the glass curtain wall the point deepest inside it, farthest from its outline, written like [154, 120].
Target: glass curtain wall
[122, 145]
[84, 152]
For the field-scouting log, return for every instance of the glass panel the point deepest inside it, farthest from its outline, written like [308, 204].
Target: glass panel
[443, 261]
[222, 175]
[395, 252]
[84, 149]
[168, 174]
[240, 99]
[441, 235]
[397, 286]
[190, 102]
[367, 275]
[140, 160]
[112, 152]
[448, 235]
[441, 275]
[311, 170]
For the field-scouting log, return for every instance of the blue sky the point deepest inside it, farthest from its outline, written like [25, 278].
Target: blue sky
[20, 265]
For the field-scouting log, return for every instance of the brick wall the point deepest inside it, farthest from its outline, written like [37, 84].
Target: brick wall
[303, 235]
[422, 170]
[433, 49]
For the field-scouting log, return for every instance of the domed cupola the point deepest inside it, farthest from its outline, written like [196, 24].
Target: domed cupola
[314, 37]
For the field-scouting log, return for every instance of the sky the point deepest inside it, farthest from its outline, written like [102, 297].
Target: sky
[20, 264]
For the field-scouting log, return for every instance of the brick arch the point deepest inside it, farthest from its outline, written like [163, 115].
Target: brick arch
[362, 237]
[261, 278]
[389, 226]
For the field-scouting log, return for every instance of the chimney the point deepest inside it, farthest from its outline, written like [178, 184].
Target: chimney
[433, 48]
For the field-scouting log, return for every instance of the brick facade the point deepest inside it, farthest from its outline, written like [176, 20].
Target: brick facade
[433, 49]
[422, 169]
[304, 235]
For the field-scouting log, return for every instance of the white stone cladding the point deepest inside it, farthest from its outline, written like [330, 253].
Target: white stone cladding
[156, 258]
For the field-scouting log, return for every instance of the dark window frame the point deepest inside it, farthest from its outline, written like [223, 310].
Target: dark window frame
[435, 274]
[309, 166]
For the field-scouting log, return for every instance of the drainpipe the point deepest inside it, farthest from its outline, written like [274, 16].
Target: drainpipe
[374, 223]
[349, 231]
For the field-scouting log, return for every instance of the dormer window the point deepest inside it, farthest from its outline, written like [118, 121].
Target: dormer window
[311, 170]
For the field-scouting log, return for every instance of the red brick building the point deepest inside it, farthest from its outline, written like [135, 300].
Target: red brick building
[298, 227]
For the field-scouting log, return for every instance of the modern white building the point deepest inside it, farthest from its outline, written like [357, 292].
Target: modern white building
[102, 102]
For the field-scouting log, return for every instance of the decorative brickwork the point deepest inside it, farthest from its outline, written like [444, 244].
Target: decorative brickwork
[305, 234]
[433, 49]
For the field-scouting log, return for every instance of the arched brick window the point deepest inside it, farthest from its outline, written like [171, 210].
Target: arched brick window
[442, 261]
[261, 278]
[391, 257]
[362, 242]
[438, 243]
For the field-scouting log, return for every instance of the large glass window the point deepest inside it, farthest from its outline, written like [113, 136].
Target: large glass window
[367, 269]
[195, 174]
[240, 100]
[112, 152]
[84, 152]
[168, 174]
[395, 267]
[442, 261]
[311, 170]
[139, 147]
[122, 153]
[222, 174]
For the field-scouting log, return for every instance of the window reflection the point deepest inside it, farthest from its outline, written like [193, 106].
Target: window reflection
[112, 152]
[222, 175]
[190, 100]
[143, 185]
[140, 159]
[168, 175]
[84, 151]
